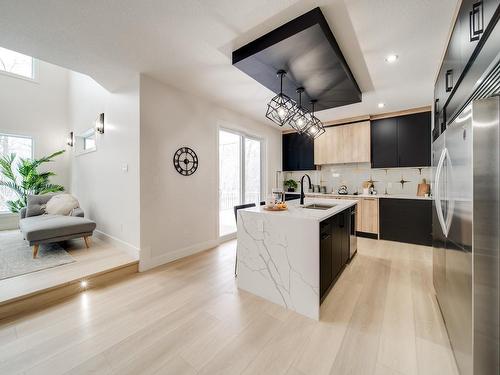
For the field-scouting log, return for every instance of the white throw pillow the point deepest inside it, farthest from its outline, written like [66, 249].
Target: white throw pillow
[61, 204]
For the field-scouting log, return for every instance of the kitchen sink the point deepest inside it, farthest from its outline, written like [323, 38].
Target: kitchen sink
[317, 206]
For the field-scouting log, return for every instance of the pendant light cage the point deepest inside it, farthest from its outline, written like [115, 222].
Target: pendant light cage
[299, 121]
[281, 107]
[316, 127]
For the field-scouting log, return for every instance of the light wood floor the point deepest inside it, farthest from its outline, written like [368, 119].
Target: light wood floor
[188, 317]
[100, 257]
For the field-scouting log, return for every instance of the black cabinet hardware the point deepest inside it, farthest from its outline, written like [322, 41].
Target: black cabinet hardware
[449, 80]
[476, 21]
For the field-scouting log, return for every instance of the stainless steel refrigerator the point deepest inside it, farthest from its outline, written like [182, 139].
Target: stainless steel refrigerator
[466, 223]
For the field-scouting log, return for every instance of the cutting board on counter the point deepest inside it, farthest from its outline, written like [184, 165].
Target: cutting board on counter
[423, 188]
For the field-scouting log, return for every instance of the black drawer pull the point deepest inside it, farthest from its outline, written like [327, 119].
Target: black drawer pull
[476, 21]
[449, 80]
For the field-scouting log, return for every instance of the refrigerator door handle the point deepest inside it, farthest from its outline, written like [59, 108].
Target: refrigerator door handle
[437, 195]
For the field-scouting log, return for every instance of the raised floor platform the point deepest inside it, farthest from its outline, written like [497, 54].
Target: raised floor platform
[101, 263]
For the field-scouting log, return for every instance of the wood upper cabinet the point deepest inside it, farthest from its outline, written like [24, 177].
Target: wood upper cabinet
[343, 144]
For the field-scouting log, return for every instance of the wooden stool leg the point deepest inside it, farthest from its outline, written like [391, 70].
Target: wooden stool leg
[35, 250]
[86, 239]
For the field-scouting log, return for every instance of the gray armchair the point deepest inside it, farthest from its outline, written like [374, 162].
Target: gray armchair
[38, 227]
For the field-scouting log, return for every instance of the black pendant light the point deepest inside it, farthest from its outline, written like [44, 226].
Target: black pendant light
[281, 107]
[316, 127]
[299, 120]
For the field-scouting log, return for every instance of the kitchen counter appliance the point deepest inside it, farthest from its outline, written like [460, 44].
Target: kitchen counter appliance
[343, 190]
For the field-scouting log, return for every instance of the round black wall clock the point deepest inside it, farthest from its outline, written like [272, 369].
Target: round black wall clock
[185, 161]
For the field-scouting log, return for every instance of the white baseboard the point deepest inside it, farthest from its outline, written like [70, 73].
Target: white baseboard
[131, 249]
[148, 262]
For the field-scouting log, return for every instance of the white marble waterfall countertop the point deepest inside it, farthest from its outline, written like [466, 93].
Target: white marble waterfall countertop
[300, 212]
[278, 255]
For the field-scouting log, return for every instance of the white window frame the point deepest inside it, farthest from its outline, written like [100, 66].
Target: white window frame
[4, 215]
[34, 71]
[263, 171]
[2, 134]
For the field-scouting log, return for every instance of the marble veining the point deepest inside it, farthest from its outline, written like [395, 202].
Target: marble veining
[278, 256]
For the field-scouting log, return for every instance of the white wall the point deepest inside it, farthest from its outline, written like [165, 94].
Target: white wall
[179, 214]
[39, 109]
[109, 195]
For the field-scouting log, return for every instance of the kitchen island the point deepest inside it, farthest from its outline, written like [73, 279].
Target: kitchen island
[293, 257]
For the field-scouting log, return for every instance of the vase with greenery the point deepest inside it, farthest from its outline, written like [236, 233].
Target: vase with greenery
[24, 179]
[291, 185]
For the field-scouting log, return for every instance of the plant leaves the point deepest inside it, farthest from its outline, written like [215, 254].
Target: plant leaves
[32, 182]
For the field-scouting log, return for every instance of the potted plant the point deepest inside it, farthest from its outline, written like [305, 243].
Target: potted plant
[291, 185]
[24, 178]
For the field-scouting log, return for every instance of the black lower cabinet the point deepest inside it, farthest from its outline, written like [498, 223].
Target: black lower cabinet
[334, 250]
[406, 220]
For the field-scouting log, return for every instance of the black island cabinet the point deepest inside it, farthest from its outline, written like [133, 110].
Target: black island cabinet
[334, 249]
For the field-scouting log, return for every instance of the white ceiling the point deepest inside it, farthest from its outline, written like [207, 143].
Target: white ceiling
[188, 44]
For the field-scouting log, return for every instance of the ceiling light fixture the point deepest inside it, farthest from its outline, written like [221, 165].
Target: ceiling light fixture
[381, 105]
[391, 58]
[299, 120]
[316, 127]
[281, 107]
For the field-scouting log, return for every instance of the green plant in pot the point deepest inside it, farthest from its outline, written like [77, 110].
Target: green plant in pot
[290, 185]
[24, 178]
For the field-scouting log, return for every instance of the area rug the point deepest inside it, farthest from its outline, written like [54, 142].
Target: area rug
[16, 256]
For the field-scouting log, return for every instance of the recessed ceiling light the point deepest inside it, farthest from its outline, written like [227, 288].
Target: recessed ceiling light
[381, 105]
[391, 58]
[84, 284]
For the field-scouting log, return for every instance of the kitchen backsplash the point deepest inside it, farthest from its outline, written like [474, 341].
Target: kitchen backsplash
[391, 181]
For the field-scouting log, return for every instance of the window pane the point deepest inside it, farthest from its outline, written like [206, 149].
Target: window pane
[20, 146]
[89, 142]
[229, 180]
[252, 171]
[16, 63]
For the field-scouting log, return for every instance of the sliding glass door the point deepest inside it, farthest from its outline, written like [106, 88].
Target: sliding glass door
[240, 176]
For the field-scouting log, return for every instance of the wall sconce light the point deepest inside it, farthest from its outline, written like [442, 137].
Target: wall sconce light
[71, 140]
[99, 123]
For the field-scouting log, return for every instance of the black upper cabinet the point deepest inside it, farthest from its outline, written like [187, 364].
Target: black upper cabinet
[384, 143]
[403, 141]
[298, 152]
[414, 140]
[471, 25]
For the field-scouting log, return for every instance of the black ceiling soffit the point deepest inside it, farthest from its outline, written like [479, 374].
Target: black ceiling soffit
[307, 50]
